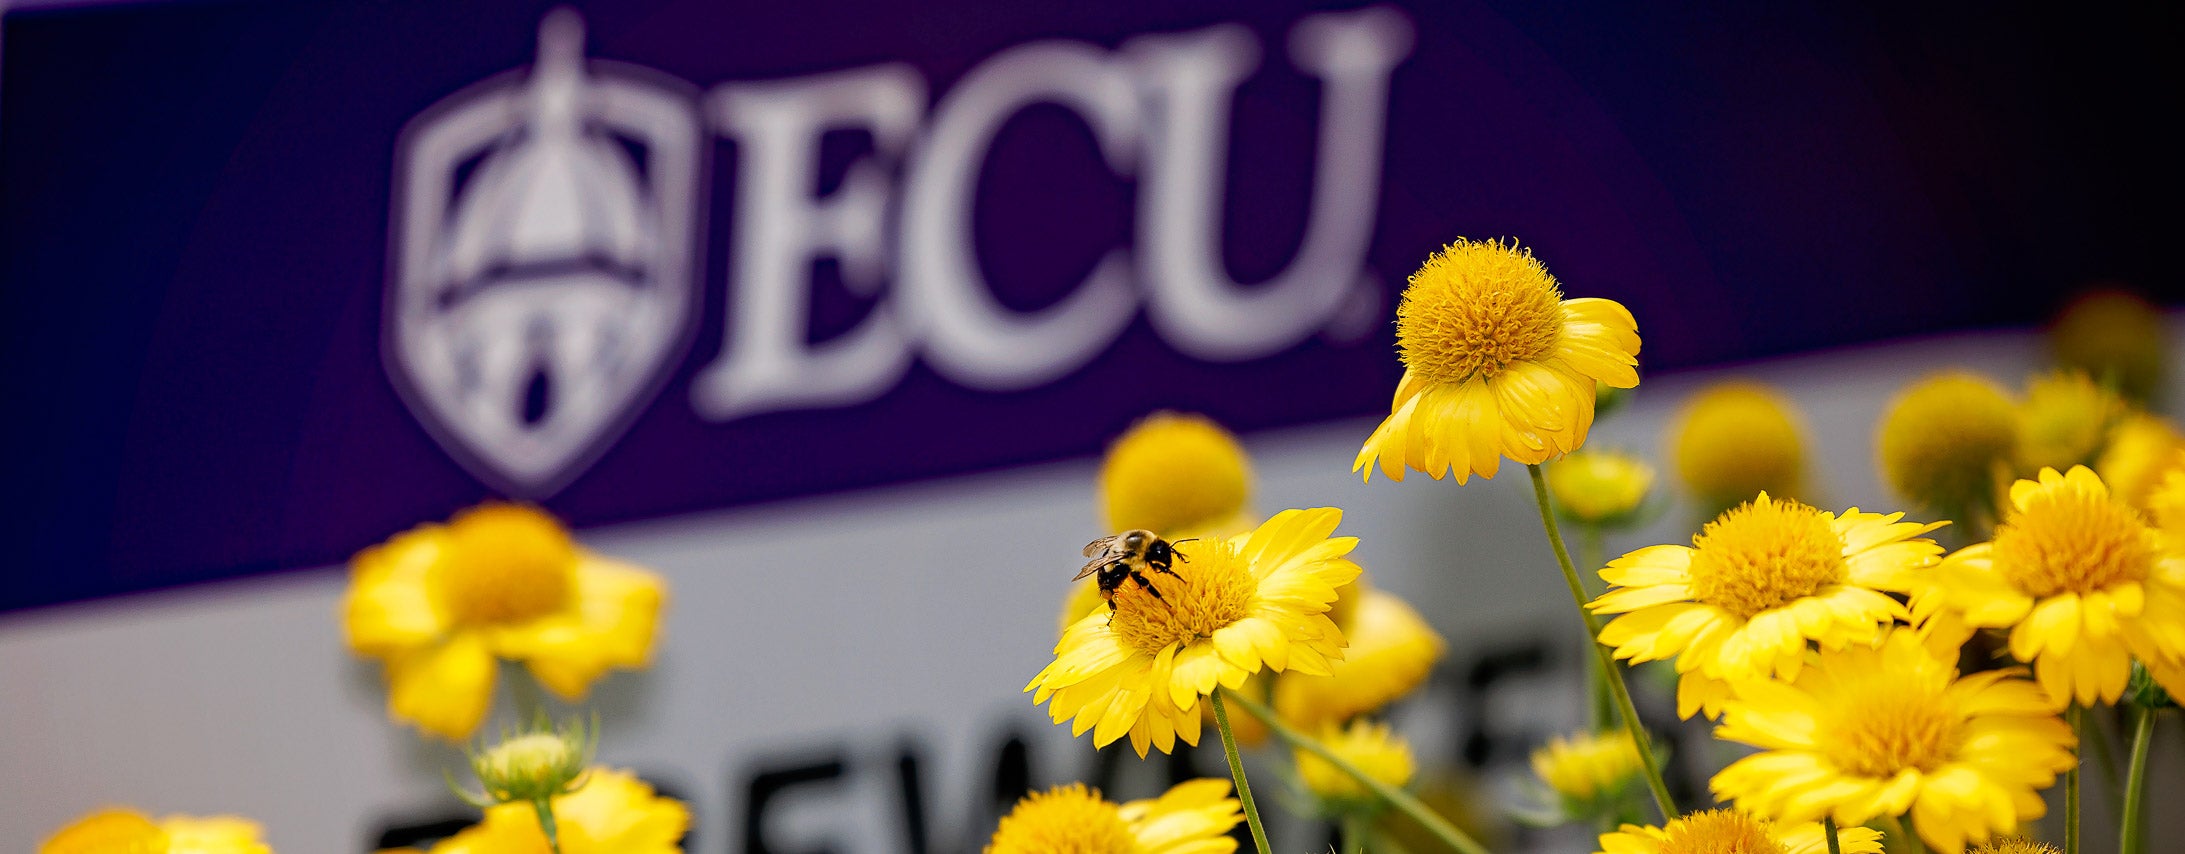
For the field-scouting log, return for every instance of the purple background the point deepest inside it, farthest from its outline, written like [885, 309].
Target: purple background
[194, 207]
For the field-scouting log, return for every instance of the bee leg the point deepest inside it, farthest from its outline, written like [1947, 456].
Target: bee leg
[1148, 585]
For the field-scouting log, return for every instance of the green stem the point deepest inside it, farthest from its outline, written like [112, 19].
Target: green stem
[1828, 826]
[546, 823]
[1893, 828]
[1456, 839]
[1600, 709]
[1236, 769]
[2131, 836]
[1354, 832]
[2076, 718]
[1622, 692]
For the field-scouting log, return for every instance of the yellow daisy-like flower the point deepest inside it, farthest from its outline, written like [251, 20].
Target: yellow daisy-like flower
[1872, 731]
[2080, 580]
[126, 831]
[1600, 487]
[1233, 605]
[1733, 832]
[1369, 747]
[1945, 441]
[2016, 845]
[1177, 475]
[613, 813]
[1392, 651]
[1588, 766]
[2141, 450]
[2064, 420]
[1756, 584]
[1734, 440]
[439, 603]
[2116, 336]
[1496, 364]
[1194, 817]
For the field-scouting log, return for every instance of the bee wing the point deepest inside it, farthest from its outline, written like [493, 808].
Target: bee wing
[1091, 567]
[1100, 547]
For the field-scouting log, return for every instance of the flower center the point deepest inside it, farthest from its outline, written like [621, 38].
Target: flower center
[1064, 820]
[109, 832]
[1209, 590]
[2067, 540]
[1475, 308]
[506, 563]
[1719, 832]
[1765, 554]
[1890, 726]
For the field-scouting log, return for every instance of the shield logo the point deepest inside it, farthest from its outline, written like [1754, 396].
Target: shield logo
[545, 245]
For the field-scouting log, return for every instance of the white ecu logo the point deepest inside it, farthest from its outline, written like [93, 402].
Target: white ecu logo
[547, 232]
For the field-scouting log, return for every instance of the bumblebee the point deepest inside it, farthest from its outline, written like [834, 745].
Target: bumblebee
[1128, 556]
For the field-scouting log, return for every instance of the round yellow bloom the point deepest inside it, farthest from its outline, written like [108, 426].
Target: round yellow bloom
[1757, 583]
[1588, 766]
[2116, 336]
[2015, 845]
[2080, 580]
[1369, 747]
[2141, 449]
[1600, 487]
[1734, 440]
[1392, 651]
[439, 603]
[2064, 420]
[1945, 440]
[1179, 476]
[1193, 817]
[1233, 604]
[1496, 364]
[1875, 731]
[1733, 832]
[613, 813]
[126, 831]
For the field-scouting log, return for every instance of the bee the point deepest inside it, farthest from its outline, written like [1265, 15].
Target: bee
[1126, 557]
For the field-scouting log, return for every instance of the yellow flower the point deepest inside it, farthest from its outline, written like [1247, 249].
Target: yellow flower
[2080, 580]
[2015, 845]
[1944, 441]
[126, 831]
[1496, 364]
[2141, 449]
[1733, 832]
[1737, 439]
[1871, 731]
[1178, 476]
[1588, 766]
[614, 813]
[1758, 583]
[2116, 336]
[2064, 420]
[1392, 650]
[1233, 604]
[439, 603]
[1193, 817]
[1600, 487]
[1369, 747]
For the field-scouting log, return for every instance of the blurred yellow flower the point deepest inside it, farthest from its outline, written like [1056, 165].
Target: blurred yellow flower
[1758, 583]
[1947, 440]
[2064, 420]
[2141, 449]
[1233, 605]
[118, 830]
[1367, 746]
[2080, 580]
[1193, 817]
[1599, 487]
[1392, 651]
[1177, 475]
[1874, 731]
[1733, 832]
[439, 603]
[1587, 767]
[1734, 440]
[2015, 845]
[2117, 337]
[1496, 364]
[613, 813]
